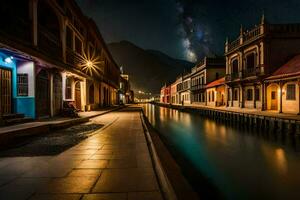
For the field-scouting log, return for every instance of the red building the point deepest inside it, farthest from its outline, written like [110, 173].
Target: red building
[165, 94]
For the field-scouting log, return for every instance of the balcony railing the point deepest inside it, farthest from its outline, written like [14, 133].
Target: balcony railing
[254, 33]
[197, 87]
[73, 58]
[245, 37]
[232, 76]
[234, 44]
[256, 71]
[48, 43]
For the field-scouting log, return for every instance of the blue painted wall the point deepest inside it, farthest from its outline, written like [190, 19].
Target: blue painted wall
[25, 105]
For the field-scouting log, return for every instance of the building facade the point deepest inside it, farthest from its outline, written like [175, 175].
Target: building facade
[51, 53]
[206, 71]
[215, 93]
[255, 55]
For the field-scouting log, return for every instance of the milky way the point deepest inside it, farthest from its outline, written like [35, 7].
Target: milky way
[195, 35]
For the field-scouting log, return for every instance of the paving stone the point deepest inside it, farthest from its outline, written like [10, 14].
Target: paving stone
[126, 180]
[56, 197]
[120, 196]
[98, 164]
[22, 188]
[69, 185]
[122, 163]
[144, 196]
[85, 172]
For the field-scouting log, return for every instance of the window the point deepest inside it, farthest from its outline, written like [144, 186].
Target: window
[249, 94]
[257, 94]
[22, 84]
[212, 96]
[69, 38]
[235, 66]
[291, 92]
[235, 95]
[273, 95]
[250, 61]
[78, 45]
[68, 89]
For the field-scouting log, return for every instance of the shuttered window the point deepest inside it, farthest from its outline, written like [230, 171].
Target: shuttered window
[22, 84]
[291, 92]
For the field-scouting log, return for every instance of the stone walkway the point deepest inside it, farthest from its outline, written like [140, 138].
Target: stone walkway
[54, 121]
[114, 164]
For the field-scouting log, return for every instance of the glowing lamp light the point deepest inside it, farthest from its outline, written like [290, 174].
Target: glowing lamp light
[9, 59]
[89, 64]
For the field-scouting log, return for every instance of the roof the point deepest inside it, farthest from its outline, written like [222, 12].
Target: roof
[292, 67]
[215, 83]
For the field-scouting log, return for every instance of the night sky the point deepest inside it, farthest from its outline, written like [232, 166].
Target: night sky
[185, 29]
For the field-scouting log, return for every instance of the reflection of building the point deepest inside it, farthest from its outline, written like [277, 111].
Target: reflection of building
[254, 55]
[208, 70]
[215, 93]
[126, 94]
[50, 53]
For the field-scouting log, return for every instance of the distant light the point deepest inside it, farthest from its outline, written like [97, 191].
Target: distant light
[9, 59]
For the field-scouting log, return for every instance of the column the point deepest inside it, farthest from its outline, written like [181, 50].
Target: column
[51, 95]
[280, 97]
[298, 96]
[34, 22]
[232, 91]
[263, 97]
[242, 100]
[254, 96]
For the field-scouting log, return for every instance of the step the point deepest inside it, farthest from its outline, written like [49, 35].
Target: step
[20, 120]
[12, 116]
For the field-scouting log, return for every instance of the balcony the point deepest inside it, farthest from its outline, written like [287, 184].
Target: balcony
[197, 87]
[256, 71]
[246, 37]
[232, 76]
[49, 44]
[73, 58]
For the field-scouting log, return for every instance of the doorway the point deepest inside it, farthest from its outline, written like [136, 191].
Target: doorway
[5, 92]
[42, 94]
[78, 95]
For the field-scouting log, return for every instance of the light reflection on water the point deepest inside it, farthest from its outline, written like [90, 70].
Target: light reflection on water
[241, 163]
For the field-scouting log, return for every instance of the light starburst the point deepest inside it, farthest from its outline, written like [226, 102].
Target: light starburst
[91, 63]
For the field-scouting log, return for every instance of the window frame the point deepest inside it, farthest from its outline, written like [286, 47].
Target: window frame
[22, 86]
[291, 96]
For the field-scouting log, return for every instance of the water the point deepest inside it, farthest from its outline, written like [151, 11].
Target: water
[240, 163]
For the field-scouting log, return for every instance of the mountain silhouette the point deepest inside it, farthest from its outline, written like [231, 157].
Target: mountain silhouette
[148, 70]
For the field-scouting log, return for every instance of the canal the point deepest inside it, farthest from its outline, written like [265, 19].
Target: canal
[238, 162]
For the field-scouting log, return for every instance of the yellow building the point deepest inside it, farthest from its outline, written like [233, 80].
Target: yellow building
[283, 88]
[215, 93]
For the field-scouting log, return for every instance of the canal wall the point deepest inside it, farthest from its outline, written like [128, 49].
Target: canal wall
[275, 123]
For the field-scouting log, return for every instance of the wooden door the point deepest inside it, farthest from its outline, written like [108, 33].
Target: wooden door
[274, 100]
[42, 94]
[5, 92]
[78, 96]
[57, 93]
